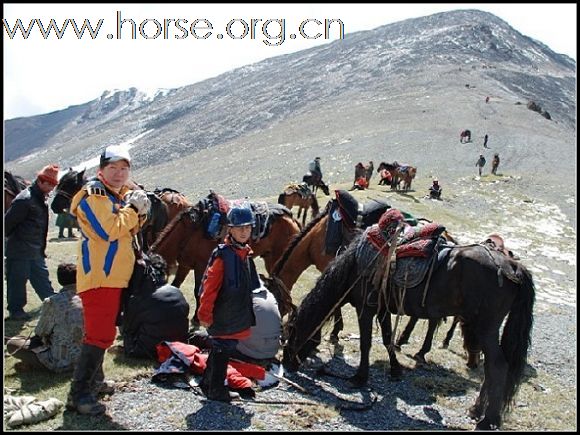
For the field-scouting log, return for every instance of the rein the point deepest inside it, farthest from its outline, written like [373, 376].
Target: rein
[337, 304]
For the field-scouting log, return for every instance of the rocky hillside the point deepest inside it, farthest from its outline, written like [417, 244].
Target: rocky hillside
[400, 92]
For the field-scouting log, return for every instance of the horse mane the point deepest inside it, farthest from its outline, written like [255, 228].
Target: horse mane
[296, 240]
[169, 227]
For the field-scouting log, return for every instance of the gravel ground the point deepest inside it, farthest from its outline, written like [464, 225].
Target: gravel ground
[409, 404]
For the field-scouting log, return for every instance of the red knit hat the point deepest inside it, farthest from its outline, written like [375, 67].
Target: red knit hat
[49, 174]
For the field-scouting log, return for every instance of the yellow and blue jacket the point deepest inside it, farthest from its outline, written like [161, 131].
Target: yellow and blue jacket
[107, 225]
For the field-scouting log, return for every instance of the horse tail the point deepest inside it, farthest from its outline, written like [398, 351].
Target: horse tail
[517, 334]
[281, 198]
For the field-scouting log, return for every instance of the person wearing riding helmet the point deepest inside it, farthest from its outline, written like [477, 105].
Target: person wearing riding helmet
[226, 307]
[109, 213]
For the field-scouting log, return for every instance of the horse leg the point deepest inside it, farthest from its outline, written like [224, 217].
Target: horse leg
[365, 325]
[198, 275]
[450, 333]
[404, 337]
[496, 370]
[428, 342]
[387, 333]
[338, 325]
[180, 275]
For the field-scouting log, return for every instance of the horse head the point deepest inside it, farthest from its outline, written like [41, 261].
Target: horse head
[296, 349]
[69, 184]
[324, 188]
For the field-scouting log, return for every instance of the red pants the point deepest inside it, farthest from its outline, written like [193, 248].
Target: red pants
[100, 310]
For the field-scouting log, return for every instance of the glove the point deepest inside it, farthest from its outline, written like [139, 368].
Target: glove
[139, 200]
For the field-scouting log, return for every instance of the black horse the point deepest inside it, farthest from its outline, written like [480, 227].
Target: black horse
[73, 181]
[315, 183]
[480, 285]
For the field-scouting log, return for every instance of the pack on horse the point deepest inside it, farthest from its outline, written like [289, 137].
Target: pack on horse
[163, 206]
[315, 183]
[13, 185]
[405, 173]
[477, 283]
[190, 238]
[299, 195]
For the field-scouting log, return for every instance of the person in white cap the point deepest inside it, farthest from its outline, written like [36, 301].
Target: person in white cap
[108, 214]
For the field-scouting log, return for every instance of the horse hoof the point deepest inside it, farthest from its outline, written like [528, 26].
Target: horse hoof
[357, 381]
[486, 424]
[420, 358]
[474, 412]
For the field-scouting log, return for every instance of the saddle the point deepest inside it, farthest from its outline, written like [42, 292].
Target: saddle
[415, 252]
[214, 210]
[346, 214]
[302, 189]
[496, 243]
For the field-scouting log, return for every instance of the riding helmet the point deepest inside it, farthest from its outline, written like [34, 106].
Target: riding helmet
[240, 216]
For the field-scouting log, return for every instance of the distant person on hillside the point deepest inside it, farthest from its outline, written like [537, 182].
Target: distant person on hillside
[480, 163]
[435, 189]
[487, 99]
[68, 221]
[315, 170]
[485, 138]
[495, 163]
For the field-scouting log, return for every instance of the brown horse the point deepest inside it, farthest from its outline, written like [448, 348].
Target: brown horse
[295, 195]
[13, 185]
[405, 173]
[184, 241]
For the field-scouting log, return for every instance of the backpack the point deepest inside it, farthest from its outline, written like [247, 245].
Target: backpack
[152, 310]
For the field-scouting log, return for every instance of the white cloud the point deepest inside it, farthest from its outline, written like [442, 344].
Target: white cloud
[42, 75]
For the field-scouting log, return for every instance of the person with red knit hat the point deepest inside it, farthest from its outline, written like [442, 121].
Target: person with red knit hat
[26, 229]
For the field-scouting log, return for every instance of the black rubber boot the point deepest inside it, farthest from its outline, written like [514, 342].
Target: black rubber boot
[80, 398]
[214, 377]
[99, 386]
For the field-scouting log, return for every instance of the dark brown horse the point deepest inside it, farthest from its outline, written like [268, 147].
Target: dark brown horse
[13, 185]
[480, 285]
[308, 248]
[405, 173]
[295, 195]
[184, 240]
